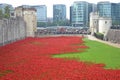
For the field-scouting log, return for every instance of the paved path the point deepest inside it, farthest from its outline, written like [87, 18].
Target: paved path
[106, 42]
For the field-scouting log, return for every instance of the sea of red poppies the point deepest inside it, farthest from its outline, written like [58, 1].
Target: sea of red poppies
[31, 59]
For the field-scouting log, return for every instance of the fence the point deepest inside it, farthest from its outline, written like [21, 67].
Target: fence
[11, 30]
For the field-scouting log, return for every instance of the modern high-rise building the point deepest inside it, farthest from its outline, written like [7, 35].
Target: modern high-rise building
[71, 14]
[79, 13]
[111, 10]
[41, 13]
[59, 12]
[94, 7]
[115, 13]
[104, 9]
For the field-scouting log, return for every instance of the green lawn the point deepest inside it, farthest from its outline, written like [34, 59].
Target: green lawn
[97, 53]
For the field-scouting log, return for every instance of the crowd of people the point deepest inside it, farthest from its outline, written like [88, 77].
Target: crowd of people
[62, 30]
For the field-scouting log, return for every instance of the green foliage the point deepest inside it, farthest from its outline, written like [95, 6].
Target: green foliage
[116, 22]
[7, 12]
[59, 23]
[62, 23]
[6, 16]
[99, 36]
[3, 73]
[1, 14]
[41, 24]
[97, 53]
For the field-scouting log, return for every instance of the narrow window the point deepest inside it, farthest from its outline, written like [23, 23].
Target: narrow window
[105, 22]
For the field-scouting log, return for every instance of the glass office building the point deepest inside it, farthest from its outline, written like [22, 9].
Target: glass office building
[71, 8]
[59, 12]
[112, 10]
[41, 13]
[80, 13]
[104, 9]
[115, 13]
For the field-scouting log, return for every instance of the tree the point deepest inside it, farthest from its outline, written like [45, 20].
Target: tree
[41, 24]
[7, 12]
[116, 22]
[63, 23]
[1, 14]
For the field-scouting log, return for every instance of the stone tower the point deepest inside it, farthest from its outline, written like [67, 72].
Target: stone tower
[29, 16]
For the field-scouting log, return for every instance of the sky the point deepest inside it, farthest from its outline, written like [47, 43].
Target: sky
[49, 3]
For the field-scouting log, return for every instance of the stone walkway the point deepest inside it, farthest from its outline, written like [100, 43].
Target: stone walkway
[106, 42]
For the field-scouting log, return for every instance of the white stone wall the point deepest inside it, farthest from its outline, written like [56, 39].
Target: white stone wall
[12, 30]
[94, 21]
[104, 25]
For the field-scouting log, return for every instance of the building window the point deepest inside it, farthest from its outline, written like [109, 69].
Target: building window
[105, 22]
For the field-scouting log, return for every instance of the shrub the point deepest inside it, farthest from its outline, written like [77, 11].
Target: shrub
[99, 35]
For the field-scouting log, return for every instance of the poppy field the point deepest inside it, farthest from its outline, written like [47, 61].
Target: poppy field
[31, 59]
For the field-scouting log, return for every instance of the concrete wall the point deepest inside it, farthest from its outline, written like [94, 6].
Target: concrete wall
[11, 30]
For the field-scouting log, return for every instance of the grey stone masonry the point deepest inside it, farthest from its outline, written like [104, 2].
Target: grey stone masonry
[11, 30]
[113, 35]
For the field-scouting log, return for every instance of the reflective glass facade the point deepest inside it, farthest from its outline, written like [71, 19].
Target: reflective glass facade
[115, 12]
[104, 9]
[80, 13]
[59, 12]
[112, 10]
[41, 13]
